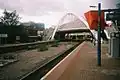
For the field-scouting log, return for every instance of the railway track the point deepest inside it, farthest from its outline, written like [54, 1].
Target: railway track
[22, 46]
[38, 73]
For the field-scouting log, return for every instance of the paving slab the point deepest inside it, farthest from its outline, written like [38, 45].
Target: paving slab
[84, 65]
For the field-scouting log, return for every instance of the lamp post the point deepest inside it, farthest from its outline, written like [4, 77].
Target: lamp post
[98, 35]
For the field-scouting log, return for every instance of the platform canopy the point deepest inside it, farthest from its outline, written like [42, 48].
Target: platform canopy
[92, 19]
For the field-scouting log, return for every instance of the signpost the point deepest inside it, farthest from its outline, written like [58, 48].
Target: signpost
[3, 36]
[96, 20]
[99, 36]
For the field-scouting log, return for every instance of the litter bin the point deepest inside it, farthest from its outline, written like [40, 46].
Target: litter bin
[114, 44]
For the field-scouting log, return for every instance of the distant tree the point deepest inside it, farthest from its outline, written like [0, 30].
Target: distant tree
[40, 26]
[118, 5]
[10, 18]
[118, 13]
[33, 25]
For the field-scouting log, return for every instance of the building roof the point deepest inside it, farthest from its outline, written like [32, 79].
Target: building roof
[74, 25]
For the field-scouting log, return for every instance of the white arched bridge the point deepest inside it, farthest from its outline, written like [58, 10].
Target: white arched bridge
[70, 24]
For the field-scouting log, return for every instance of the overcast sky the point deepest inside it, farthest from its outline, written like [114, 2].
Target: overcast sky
[50, 11]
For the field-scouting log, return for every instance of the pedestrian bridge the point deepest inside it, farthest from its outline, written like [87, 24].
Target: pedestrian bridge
[71, 23]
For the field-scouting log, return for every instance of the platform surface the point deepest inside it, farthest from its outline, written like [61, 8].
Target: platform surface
[84, 65]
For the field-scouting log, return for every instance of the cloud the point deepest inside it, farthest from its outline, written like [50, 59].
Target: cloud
[33, 7]
[10, 5]
[45, 7]
[50, 11]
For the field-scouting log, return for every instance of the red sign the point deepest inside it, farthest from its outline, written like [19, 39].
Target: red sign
[92, 19]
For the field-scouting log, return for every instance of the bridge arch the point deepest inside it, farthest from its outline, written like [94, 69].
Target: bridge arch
[71, 18]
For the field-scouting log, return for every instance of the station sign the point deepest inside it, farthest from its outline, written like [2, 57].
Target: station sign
[4, 35]
[17, 37]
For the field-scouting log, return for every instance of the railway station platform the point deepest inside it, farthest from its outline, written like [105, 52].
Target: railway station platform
[83, 65]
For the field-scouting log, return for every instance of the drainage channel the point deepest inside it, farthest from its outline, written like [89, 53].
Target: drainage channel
[45, 68]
